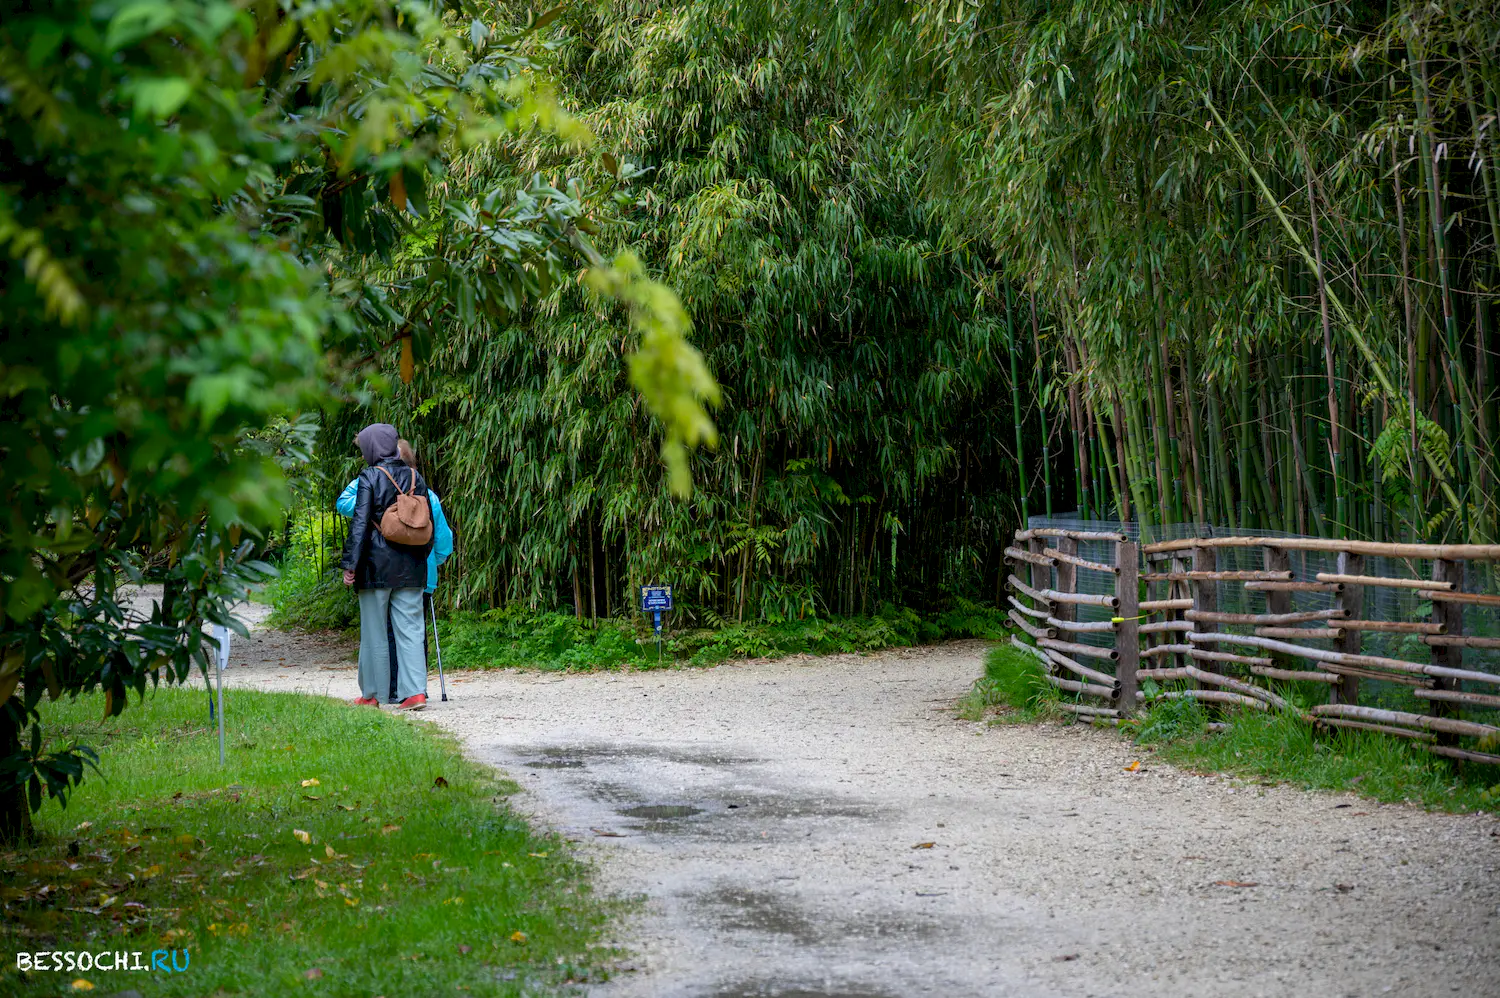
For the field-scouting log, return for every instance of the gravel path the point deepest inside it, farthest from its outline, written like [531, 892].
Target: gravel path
[826, 827]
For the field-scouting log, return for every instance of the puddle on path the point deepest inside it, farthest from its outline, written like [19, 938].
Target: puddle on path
[764, 989]
[661, 812]
[747, 910]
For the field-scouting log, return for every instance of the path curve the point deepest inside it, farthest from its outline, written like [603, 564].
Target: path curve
[777, 817]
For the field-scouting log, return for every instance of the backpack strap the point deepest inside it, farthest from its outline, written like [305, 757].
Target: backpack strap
[398, 488]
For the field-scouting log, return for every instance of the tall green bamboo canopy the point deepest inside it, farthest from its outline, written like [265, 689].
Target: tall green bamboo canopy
[959, 263]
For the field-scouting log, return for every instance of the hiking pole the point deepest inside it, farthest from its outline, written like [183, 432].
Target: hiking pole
[438, 647]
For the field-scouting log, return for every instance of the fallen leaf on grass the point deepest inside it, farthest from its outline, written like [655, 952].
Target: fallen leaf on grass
[82, 985]
[302, 836]
[389, 829]
[83, 826]
[1236, 883]
[346, 807]
[464, 948]
[352, 902]
[518, 937]
[313, 974]
[328, 851]
[537, 855]
[924, 845]
[311, 783]
[1065, 957]
[1136, 764]
[311, 797]
[457, 900]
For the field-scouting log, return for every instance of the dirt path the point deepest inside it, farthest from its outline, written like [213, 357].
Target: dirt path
[825, 827]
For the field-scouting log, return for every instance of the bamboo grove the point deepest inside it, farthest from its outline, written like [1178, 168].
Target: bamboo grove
[1263, 238]
[958, 263]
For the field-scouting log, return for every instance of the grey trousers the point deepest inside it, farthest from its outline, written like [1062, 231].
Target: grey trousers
[405, 609]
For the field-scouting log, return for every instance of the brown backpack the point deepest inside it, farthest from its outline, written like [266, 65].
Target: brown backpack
[408, 520]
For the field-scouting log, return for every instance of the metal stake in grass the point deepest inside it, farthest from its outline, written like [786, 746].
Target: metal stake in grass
[438, 647]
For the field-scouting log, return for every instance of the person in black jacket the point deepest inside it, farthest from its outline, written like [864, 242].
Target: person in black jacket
[390, 577]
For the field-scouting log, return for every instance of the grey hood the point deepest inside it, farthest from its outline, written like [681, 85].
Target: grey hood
[377, 442]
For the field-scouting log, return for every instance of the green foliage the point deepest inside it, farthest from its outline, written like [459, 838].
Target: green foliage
[514, 637]
[214, 220]
[1283, 747]
[309, 593]
[1169, 720]
[859, 369]
[392, 865]
[1011, 679]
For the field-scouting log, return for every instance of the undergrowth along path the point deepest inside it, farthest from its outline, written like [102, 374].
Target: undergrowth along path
[828, 827]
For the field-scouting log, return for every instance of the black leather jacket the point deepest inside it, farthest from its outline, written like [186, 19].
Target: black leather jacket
[378, 563]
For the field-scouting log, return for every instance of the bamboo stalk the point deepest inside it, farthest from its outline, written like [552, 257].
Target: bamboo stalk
[1356, 661]
[1474, 599]
[1079, 562]
[1077, 535]
[1094, 675]
[1382, 729]
[1304, 633]
[1214, 696]
[1074, 686]
[1294, 587]
[1467, 756]
[1379, 549]
[1203, 655]
[1372, 580]
[1295, 675]
[1036, 632]
[1235, 686]
[1461, 641]
[1016, 554]
[1088, 651]
[1029, 611]
[1399, 678]
[1161, 626]
[1083, 710]
[1162, 675]
[1030, 650]
[1037, 594]
[1400, 718]
[1301, 617]
[1247, 576]
[1459, 696]
[1090, 627]
[1083, 599]
[1157, 650]
[1393, 626]
[1162, 605]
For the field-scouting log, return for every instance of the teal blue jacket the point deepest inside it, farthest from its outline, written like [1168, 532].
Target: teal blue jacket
[442, 534]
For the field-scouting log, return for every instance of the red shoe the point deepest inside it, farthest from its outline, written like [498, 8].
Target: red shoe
[415, 702]
[366, 702]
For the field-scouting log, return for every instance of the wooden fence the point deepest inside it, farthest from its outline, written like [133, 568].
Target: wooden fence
[1229, 621]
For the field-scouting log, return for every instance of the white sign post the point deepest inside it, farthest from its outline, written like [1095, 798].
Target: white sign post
[222, 661]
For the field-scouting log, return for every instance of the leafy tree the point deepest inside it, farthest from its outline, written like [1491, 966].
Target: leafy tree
[202, 205]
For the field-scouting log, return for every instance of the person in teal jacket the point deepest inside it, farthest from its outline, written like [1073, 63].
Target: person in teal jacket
[442, 541]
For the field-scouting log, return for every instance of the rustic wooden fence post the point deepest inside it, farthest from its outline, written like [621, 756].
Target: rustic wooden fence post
[1127, 637]
[1352, 601]
[1205, 598]
[1277, 560]
[1451, 615]
[1067, 578]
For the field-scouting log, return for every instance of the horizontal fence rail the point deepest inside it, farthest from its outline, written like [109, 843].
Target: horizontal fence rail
[1378, 633]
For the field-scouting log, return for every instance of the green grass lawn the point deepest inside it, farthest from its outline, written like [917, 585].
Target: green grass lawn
[341, 851]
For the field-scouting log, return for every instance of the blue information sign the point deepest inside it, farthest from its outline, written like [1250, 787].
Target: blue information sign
[656, 597]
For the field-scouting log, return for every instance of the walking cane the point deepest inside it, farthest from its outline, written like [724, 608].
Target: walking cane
[438, 647]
